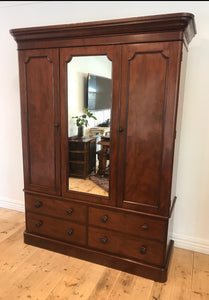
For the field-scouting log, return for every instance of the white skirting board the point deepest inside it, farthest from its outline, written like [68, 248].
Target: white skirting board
[191, 243]
[12, 204]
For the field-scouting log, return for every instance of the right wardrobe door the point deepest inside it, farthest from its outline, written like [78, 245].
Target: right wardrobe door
[149, 96]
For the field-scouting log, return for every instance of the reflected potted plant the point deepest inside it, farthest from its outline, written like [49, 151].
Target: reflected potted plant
[83, 120]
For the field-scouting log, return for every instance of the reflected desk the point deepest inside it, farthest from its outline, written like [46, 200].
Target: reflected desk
[98, 130]
[103, 156]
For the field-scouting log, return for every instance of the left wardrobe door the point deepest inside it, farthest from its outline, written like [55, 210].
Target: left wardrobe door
[39, 75]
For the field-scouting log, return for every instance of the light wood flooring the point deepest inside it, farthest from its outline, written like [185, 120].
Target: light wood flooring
[86, 186]
[27, 272]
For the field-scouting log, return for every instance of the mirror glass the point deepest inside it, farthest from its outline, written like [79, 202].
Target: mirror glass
[89, 124]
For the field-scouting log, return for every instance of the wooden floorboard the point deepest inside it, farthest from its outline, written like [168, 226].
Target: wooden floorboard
[27, 272]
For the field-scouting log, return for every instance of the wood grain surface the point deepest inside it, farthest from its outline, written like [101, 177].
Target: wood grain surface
[27, 272]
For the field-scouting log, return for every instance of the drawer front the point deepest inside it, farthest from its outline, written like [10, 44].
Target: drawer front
[125, 245]
[56, 208]
[141, 226]
[55, 228]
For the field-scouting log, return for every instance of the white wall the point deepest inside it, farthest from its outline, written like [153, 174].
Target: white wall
[191, 225]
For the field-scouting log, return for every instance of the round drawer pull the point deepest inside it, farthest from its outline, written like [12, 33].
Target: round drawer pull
[70, 231]
[104, 240]
[38, 204]
[38, 224]
[69, 211]
[144, 227]
[104, 219]
[143, 250]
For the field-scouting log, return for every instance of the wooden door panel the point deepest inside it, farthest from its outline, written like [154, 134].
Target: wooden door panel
[40, 119]
[148, 101]
[144, 126]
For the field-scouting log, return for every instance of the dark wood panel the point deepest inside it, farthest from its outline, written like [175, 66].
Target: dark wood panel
[55, 228]
[40, 119]
[145, 108]
[39, 86]
[138, 225]
[148, 114]
[126, 245]
[58, 208]
[101, 41]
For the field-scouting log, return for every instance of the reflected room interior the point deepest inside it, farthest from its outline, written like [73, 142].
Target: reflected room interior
[89, 124]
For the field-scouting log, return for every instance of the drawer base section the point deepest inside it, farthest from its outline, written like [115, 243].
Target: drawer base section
[109, 260]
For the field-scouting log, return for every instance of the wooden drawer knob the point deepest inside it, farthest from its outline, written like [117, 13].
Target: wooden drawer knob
[70, 231]
[104, 219]
[104, 240]
[69, 211]
[144, 227]
[38, 224]
[143, 250]
[38, 204]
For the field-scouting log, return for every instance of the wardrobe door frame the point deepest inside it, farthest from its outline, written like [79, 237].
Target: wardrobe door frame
[45, 159]
[170, 51]
[113, 54]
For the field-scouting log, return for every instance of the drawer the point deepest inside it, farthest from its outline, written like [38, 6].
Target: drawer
[56, 208]
[124, 245]
[55, 228]
[142, 226]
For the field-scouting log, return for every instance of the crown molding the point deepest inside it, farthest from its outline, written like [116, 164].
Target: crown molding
[177, 26]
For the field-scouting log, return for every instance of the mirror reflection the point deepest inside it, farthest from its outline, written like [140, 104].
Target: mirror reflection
[89, 124]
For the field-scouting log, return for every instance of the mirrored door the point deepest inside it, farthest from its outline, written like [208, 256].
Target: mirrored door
[89, 82]
[89, 95]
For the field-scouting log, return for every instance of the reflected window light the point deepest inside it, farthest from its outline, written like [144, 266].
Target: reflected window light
[93, 90]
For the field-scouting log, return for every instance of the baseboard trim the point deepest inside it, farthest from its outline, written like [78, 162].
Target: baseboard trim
[190, 243]
[11, 204]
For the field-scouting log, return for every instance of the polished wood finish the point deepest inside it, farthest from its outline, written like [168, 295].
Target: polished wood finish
[147, 111]
[39, 73]
[137, 248]
[32, 273]
[54, 228]
[82, 156]
[129, 223]
[130, 229]
[177, 26]
[57, 208]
